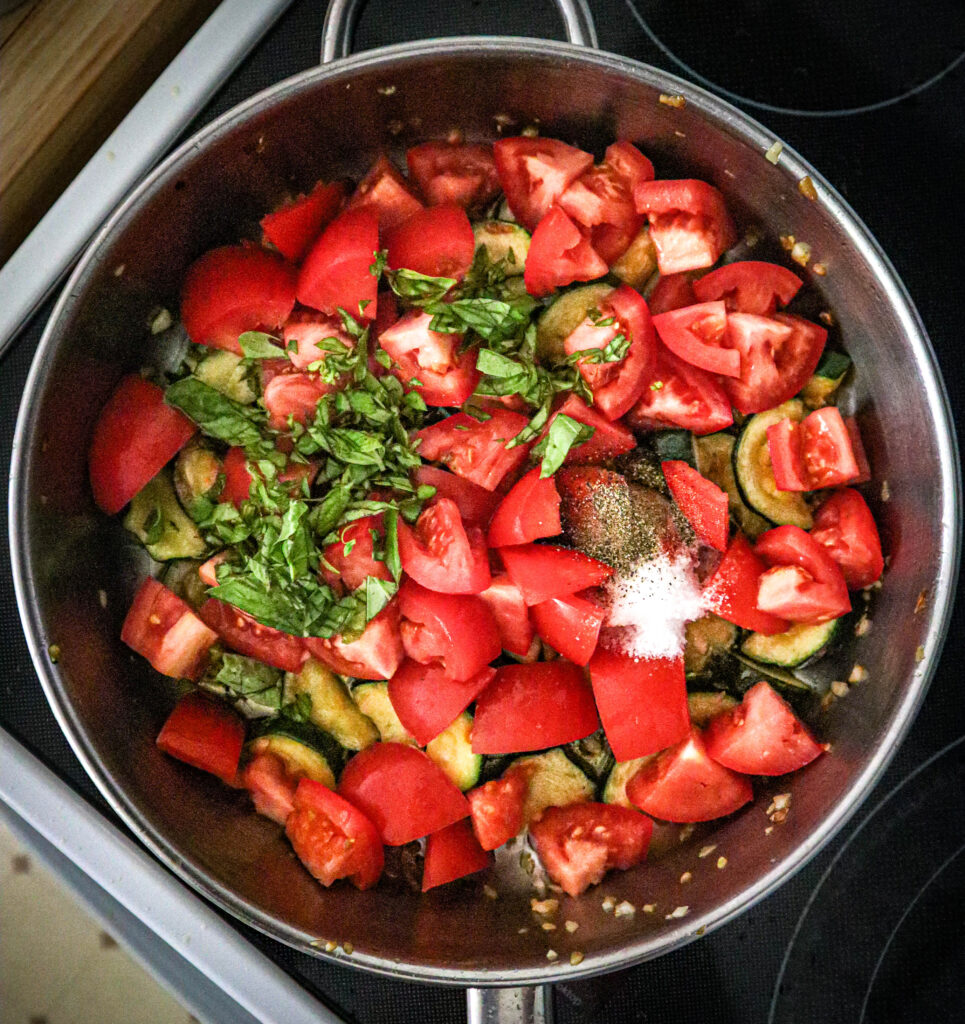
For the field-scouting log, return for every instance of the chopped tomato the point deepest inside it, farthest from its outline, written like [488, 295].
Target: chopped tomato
[784, 451]
[698, 335]
[437, 241]
[731, 592]
[384, 192]
[531, 510]
[476, 504]
[429, 361]
[579, 843]
[135, 436]
[461, 173]
[511, 614]
[428, 701]
[672, 291]
[350, 560]
[242, 633]
[680, 395]
[812, 590]
[685, 784]
[689, 223]
[750, 286]
[303, 332]
[559, 255]
[294, 226]
[826, 449]
[857, 446]
[496, 809]
[452, 852]
[206, 734]
[778, 355]
[534, 706]
[701, 501]
[271, 785]
[294, 395]
[234, 289]
[545, 571]
[609, 438]
[845, 527]
[535, 172]
[457, 632]
[332, 838]
[164, 629]
[443, 554]
[761, 736]
[336, 274]
[570, 625]
[477, 450]
[642, 703]
[376, 654]
[401, 791]
[237, 478]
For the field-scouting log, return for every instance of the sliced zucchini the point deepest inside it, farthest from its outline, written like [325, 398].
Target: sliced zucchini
[553, 780]
[706, 639]
[615, 790]
[162, 526]
[198, 478]
[826, 380]
[506, 241]
[182, 577]
[228, 373]
[704, 705]
[563, 317]
[592, 754]
[713, 456]
[333, 709]
[800, 643]
[452, 751]
[755, 477]
[373, 701]
[306, 751]
[638, 263]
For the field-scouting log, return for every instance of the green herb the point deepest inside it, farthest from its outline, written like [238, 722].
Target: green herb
[299, 709]
[154, 525]
[258, 345]
[216, 414]
[417, 288]
[564, 433]
[246, 677]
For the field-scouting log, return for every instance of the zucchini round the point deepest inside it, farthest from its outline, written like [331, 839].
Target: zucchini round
[452, 751]
[505, 241]
[333, 709]
[615, 790]
[553, 781]
[713, 456]
[563, 317]
[306, 752]
[373, 701]
[799, 644]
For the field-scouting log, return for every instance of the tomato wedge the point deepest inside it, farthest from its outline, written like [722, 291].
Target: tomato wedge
[672, 291]
[531, 707]
[271, 786]
[461, 173]
[456, 632]
[476, 504]
[579, 843]
[428, 701]
[135, 436]
[701, 501]
[531, 510]
[826, 449]
[443, 554]
[350, 560]
[452, 852]
[506, 603]
[784, 450]
[332, 838]
[535, 172]
[302, 334]
[845, 527]
[812, 589]
[749, 286]
[401, 791]
[642, 703]
[437, 241]
[570, 625]
[685, 784]
[206, 734]
[731, 592]
[293, 227]
[496, 809]
[761, 736]
[698, 335]
[559, 255]
[242, 633]
[295, 397]
[336, 274]
[609, 439]
[545, 571]
[376, 654]
[384, 192]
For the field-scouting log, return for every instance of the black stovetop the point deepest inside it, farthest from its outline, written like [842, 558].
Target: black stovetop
[873, 95]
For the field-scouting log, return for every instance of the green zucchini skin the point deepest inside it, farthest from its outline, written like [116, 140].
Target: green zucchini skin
[799, 644]
[452, 751]
[304, 749]
[714, 459]
[374, 702]
[159, 522]
[553, 780]
[592, 755]
[333, 709]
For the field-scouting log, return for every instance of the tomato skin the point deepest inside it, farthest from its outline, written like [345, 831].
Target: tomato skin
[306, 331]
[376, 654]
[437, 241]
[530, 510]
[350, 571]
[335, 273]
[559, 255]
[533, 706]
[294, 226]
[819, 595]
[642, 703]
[332, 838]
[295, 395]
[511, 615]
[442, 554]
[579, 843]
[206, 734]
[784, 450]
[455, 631]
[698, 335]
[857, 446]
[545, 571]
[384, 192]
[237, 479]
[570, 625]
[428, 701]
[135, 436]
[685, 784]
[496, 809]
[271, 786]
[826, 449]
[731, 592]
[474, 450]
[749, 286]
[535, 172]
[476, 504]
[701, 501]
[845, 527]
[401, 791]
[672, 291]
[761, 736]
[242, 633]
[464, 173]
[164, 629]
[452, 852]
[234, 289]
[609, 438]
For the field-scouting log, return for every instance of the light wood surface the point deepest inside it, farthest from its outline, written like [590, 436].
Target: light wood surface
[69, 72]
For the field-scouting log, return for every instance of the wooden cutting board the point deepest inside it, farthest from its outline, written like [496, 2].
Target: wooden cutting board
[69, 72]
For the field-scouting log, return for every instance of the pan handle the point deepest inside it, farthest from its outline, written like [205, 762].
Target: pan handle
[342, 15]
[524, 1005]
